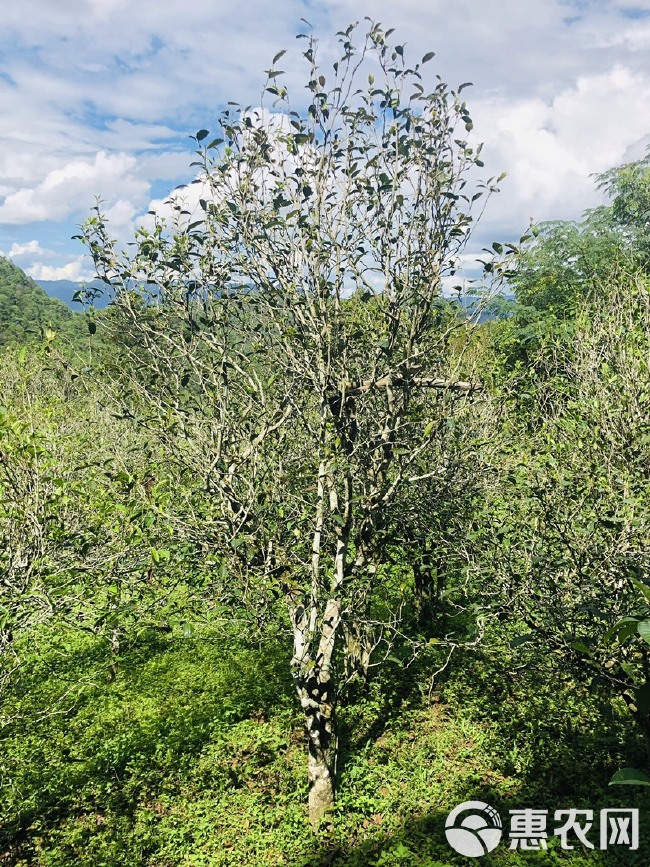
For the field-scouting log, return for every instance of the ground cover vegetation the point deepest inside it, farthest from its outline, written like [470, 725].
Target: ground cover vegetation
[295, 556]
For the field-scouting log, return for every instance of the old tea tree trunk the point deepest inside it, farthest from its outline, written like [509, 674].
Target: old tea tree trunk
[316, 620]
[280, 325]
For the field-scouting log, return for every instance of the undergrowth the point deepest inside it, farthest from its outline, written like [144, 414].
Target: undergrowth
[194, 756]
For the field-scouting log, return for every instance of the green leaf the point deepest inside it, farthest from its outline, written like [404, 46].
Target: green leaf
[428, 56]
[279, 55]
[201, 134]
[580, 646]
[643, 588]
[625, 628]
[630, 777]
[629, 670]
[644, 630]
[522, 639]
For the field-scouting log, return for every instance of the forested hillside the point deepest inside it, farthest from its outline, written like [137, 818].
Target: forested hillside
[294, 559]
[26, 311]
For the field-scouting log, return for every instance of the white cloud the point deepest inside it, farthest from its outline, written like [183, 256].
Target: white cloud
[635, 38]
[77, 270]
[99, 96]
[121, 214]
[550, 149]
[31, 248]
[170, 166]
[72, 188]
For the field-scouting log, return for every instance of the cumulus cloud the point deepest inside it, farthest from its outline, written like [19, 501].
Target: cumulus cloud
[121, 214]
[99, 96]
[30, 248]
[551, 148]
[71, 189]
[77, 270]
[635, 38]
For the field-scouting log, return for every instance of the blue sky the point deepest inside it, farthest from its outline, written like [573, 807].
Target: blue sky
[99, 97]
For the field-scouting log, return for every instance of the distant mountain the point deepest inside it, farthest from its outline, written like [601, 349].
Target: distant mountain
[65, 290]
[498, 307]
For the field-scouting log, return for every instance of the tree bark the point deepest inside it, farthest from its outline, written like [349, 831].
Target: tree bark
[320, 724]
[428, 574]
[317, 694]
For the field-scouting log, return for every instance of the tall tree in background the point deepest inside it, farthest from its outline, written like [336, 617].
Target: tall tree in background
[569, 492]
[286, 343]
[564, 264]
[558, 267]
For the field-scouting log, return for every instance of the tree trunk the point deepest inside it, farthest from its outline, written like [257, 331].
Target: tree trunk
[428, 574]
[316, 698]
[321, 788]
[317, 693]
[115, 645]
[323, 748]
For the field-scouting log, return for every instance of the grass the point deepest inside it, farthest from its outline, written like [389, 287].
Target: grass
[194, 756]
